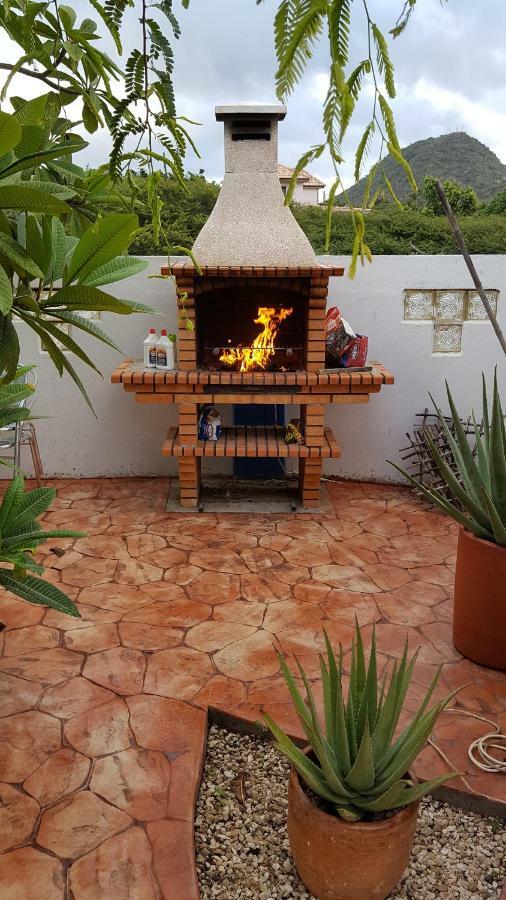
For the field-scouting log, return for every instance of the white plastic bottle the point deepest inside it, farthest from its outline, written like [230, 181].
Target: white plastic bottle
[164, 351]
[150, 349]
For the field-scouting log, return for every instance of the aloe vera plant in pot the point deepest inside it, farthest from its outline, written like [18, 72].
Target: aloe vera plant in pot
[477, 482]
[352, 803]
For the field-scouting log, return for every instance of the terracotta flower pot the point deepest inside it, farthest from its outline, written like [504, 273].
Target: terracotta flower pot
[479, 613]
[340, 860]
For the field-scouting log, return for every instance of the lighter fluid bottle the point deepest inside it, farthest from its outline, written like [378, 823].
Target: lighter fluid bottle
[150, 349]
[164, 351]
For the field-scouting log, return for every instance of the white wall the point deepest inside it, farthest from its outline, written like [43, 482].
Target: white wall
[304, 195]
[126, 437]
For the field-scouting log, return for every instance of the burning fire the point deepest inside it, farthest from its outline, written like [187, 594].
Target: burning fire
[262, 348]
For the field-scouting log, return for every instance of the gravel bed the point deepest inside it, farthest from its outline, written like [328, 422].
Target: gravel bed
[242, 844]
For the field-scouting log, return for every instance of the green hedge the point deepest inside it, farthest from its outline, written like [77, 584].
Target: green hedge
[390, 232]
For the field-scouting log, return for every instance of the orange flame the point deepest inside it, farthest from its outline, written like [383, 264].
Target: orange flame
[262, 348]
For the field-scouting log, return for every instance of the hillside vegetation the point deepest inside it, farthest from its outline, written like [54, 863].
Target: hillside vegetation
[389, 230]
[455, 157]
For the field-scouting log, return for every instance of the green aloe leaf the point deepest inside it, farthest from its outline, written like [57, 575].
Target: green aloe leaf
[362, 775]
[497, 459]
[465, 498]
[38, 591]
[497, 526]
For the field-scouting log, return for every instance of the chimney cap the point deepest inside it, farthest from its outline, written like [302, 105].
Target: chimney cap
[273, 110]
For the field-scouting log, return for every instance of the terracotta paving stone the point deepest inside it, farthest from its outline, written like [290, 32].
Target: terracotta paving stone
[91, 570]
[177, 673]
[210, 636]
[120, 867]
[16, 613]
[219, 561]
[176, 613]
[162, 590]
[221, 692]
[261, 560]
[18, 814]
[247, 658]
[107, 546]
[142, 544]
[433, 575]
[348, 578]
[214, 587]
[28, 874]
[387, 577]
[120, 669]
[263, 588]
[164, 558]
[78, 824]
[311, 591]
[179, 731]
[173, 858]
[93, 639]
[136, 781]
[45, 666]
[139, 636]
[103, 729]
[63, 773]
[307, 553]
[245, 613]
[132, 571]
[182, 574]
[259, 581]
[348, 553]
[275, 541]
[26, 741]
[74, 697]
[287, 614]
[409, 613]
[17, 695]
[344, 606]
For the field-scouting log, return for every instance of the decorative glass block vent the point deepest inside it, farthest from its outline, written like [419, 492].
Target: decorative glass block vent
[418, 305]
[447, 338]
[475, 309]
[450, 306]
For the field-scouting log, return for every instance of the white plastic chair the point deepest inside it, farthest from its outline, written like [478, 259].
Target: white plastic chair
[19, 434]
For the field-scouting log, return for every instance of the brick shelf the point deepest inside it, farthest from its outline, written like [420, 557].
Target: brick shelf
[250, 441]
[132, 374]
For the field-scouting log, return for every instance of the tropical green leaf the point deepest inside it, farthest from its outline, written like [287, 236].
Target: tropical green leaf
[17, 256]
[32, 160]
[5, 293]
[11, 501]
[30, 199]
[83, 297]
[38, 591]
[103, 240]
[10, 133]
[115, 270]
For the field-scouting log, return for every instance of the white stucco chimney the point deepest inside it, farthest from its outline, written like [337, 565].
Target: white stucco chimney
[250, 225]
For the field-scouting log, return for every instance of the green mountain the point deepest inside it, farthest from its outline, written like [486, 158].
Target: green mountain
[455, 156]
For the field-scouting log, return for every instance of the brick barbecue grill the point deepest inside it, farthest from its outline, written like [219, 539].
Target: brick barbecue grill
[255, 266]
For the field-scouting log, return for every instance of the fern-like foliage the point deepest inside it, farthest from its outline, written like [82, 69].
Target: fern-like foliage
[299, 25]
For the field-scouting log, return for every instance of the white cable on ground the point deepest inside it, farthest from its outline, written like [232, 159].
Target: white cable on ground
[478, 750]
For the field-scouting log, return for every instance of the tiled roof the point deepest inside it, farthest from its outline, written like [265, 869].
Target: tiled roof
[304, 177]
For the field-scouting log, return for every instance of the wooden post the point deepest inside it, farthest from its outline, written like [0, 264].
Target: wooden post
[459, 237]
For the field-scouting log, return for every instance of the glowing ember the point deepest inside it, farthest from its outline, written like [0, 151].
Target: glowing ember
[262, 348]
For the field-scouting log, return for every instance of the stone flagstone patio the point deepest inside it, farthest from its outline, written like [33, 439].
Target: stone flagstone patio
[103, 719]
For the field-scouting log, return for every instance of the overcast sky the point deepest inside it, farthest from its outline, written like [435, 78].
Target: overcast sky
[450, 71]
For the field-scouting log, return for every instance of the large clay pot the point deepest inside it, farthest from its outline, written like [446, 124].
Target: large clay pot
[479, 613]
[340, 860]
